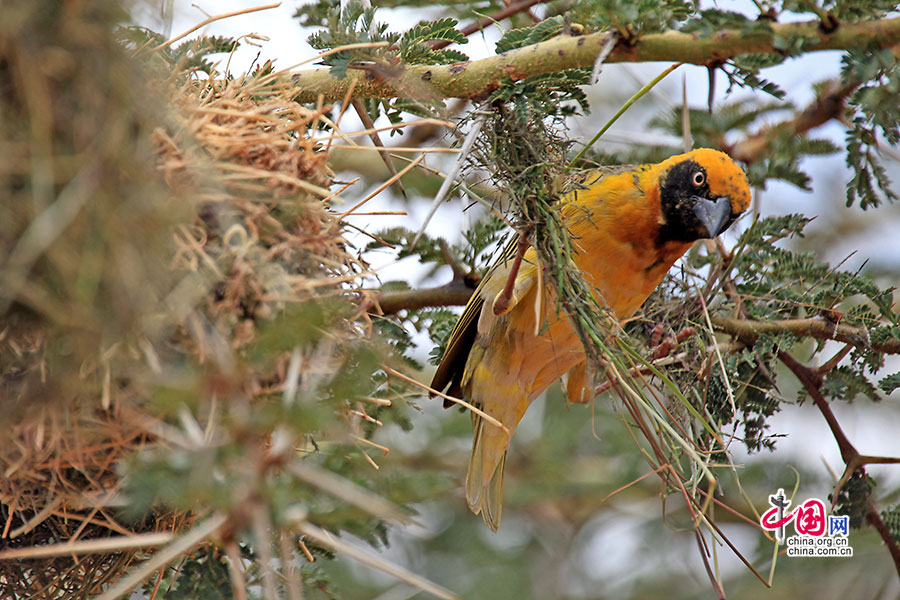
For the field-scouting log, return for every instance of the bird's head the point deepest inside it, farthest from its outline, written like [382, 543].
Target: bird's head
[701, 194]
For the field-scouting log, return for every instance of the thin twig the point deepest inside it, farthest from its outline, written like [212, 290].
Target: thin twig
[748, 330]
[509, 11]
[701, 543]
[37, 519]
[501, 303]
[97, 546]
[458, 272]
[435, 150]
[875, 521]
[192, 538]
[238, 584]
[459, 401]
[370, 560]
[262, 526]
[292, 578]
[450, 179]
[391, 127]
[381, 188]
[206, 22]
[348, 492]
[454, 293]
[376, 141]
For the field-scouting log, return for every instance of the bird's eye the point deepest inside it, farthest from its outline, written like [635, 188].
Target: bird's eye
[698, 179]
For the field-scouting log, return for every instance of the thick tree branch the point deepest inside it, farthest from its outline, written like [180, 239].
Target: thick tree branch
[478, 78]
[818, 328]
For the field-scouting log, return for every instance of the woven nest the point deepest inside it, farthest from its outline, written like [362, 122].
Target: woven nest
[147, 222]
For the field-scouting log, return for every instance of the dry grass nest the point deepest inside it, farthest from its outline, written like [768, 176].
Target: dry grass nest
[150, 226]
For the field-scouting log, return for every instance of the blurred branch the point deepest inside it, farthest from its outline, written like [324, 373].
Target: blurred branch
[480, 77]
[876, 521]
[324, 538]
[748, 331]
[829, 104]
[199, 534]
[510, 10]
[376, 140]
[456, 292]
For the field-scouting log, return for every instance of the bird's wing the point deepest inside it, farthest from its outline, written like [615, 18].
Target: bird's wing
[448, 375]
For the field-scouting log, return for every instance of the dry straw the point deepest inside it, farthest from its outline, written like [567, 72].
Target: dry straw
[152, 223]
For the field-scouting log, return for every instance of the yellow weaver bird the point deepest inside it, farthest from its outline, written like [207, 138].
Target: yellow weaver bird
[628, 227]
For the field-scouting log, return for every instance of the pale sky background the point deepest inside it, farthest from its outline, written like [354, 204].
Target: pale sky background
[872, 428]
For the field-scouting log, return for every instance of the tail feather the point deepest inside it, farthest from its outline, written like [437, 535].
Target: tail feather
[474, 476]
[492, 504]
[484, 480]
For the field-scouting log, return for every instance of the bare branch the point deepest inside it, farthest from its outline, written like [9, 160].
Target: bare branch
[815, 327]
[322, 537]
[829, 104]
[455, 293]
[854, 461]
[875, 521]
[510, 10]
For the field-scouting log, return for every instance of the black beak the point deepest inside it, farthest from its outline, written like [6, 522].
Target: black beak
[713, 214]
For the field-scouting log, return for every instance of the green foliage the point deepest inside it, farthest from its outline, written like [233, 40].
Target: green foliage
[889, 383]
[630, 18]
[852, 11]
[790, 284]
[544, 95]
[517, 38]
[853, 499]
[441, 325]
[192, 55]
[782, 156]
[845, 383]
[316, 14]
[743, 71]
[336, 377]
[354, 24]
[753, 394]
[712, 21]
[877, 117]
[745, 74]
[473, 255]
[202, 576]
[891, 518]
[541, 96]
[415, 50]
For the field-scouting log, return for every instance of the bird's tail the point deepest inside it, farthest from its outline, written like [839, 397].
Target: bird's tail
[484, 480]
